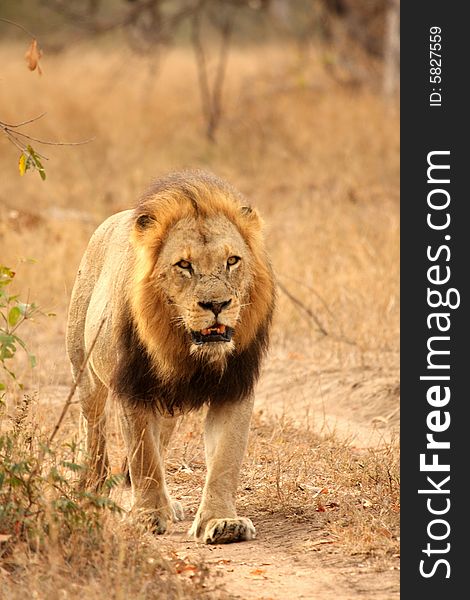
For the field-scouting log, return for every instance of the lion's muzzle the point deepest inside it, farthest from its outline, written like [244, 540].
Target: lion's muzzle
[214, 333]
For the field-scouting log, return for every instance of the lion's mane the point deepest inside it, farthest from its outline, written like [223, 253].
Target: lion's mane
[154, 360]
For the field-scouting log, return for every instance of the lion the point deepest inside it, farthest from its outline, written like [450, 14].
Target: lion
[170, 312]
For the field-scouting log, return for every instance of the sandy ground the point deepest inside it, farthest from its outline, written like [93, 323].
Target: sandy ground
[281, 564]
[294, 560]
[291, 559]
[321, 163]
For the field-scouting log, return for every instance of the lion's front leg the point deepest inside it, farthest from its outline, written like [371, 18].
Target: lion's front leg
[226, 435]
[142, 431]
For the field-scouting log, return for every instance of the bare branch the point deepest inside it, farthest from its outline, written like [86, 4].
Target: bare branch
[311, 289]
[211, 99]
[221, 70]
[9, 125]
[203, 76]
[309, 312]
[306, 309]
[129, 18]
[12, 139]
[50, 143]
[18, 25]
[15, 137]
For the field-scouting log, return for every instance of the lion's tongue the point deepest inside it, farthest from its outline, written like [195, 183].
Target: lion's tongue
[220, 329]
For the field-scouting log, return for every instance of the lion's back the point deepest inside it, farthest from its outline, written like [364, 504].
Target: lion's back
[94, 290]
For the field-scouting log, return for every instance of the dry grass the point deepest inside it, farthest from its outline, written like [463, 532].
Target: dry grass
[292, 474]
[115, 567]
[321, 162]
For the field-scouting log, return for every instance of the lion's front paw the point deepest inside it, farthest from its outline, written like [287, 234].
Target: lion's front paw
[226, 531]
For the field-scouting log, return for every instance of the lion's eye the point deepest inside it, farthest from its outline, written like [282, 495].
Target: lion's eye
[232, 260]
[184, 264]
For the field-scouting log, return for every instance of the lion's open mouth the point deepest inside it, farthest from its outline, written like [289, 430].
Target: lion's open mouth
[214, 333]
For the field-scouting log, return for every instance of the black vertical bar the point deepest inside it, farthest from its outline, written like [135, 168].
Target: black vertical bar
[428, 127]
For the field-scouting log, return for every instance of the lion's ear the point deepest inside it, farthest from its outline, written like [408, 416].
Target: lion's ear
[143, 221]
[252, 217]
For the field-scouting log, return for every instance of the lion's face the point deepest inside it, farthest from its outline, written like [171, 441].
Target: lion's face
[204, 270]
[201, 285]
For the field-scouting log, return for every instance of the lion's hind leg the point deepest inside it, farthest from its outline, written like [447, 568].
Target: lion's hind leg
[93, 395]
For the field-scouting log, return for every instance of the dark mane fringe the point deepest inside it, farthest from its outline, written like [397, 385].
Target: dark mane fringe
[136, 381]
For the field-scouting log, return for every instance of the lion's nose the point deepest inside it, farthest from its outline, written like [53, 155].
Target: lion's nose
[215, 307]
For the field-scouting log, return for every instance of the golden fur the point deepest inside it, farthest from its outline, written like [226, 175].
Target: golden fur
[188, 259]
[196, 197]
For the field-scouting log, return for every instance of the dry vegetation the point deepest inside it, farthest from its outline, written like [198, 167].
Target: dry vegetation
[321, 162]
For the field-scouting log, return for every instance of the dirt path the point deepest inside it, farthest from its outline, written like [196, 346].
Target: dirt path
[286, 561]
[291, 559]
[281, 565]
[359, 405]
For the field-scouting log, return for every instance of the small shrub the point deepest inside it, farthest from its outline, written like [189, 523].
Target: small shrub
[39, 491]
[13, 313]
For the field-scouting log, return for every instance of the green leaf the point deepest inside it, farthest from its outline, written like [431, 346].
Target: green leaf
[6, 275]
[32, 360]
[7, 352]
[12, 375]
[7, 346]
[14, 315]
[37, 162]
[7, 340]
[19, 341]
[72, 466]
[2, 387]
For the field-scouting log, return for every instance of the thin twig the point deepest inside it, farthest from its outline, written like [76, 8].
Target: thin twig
[17, 25]
[311, 289]
[341, 335]
[18, 143]
[13, 140]
[75, 384]
[50, 143]
[9, 125]
[308, 311]
[12, 134]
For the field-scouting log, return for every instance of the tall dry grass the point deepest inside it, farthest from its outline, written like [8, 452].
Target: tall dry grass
[321, 163]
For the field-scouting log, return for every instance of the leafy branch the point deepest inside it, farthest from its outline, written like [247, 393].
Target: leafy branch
[13, 313]
[30, 159]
